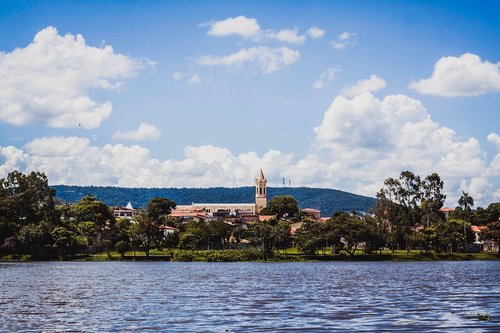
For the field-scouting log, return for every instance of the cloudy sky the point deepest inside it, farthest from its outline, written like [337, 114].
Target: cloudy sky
[329, 94]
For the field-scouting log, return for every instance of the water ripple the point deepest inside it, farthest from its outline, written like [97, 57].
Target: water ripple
[249, 297]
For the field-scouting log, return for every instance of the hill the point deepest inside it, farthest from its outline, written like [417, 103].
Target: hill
[326, 200]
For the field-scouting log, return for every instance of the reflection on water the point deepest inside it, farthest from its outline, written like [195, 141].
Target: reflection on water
[249, 297]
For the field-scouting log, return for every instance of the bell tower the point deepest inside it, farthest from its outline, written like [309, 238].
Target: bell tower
[260, 192]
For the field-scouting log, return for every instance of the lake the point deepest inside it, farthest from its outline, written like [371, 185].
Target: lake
[249, 297]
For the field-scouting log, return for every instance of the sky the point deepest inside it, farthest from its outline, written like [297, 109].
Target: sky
[331, 94]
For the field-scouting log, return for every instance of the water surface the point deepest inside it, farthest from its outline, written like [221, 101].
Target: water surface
[249, 297]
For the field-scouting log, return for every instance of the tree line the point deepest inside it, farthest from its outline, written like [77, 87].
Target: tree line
[407, 215]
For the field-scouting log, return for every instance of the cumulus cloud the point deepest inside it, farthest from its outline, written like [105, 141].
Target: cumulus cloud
[363, 140]
[372, 84]
[360, 142]
[344, 40]
[249, 28]
[466, 75]
[495, 139]
[240, 26]
[144, 132]
[315, 32]
[48, 81]
[265, 59]
[133, 166]
[325, 77]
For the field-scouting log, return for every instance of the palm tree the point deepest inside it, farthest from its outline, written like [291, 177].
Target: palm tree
[466, 201]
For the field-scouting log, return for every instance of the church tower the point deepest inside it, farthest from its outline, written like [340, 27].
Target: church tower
[260, 192]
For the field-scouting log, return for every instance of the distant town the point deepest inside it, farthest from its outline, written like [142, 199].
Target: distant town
[408, 219]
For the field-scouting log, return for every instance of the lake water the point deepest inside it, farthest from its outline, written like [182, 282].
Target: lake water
[249, 297]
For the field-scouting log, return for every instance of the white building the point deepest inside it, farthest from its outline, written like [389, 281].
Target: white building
[230, 208]
[125, 212]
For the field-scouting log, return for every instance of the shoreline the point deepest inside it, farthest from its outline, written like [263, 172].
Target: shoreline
[257, 256]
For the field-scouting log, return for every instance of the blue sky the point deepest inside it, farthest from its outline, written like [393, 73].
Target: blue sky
[335, 94]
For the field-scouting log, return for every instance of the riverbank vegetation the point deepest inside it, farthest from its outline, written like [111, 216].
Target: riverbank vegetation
[406, 224]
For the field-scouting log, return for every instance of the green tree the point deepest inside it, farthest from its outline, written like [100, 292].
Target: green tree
[122, 247]
[34, 236]
[494, 210]
[352, 230]
[195, 236]
[451, 234]
[239, 234]
[309, 237]
[91, 209]
[89, 230]
[482, 216]
[272, 235]
[219, 233]
[493, 232]
[148, 232]
[283, 206]
[158, 208]
[432, 199]
[25, 199]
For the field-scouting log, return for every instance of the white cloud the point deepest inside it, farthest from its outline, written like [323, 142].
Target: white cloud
[287, 35]
[144, 132]
[495, 139]
[360, 142]
[249, 28]
[372, 84]
[265, 59]
[325, 77]
[344, 40]
[133, 166]
[364, 140]
[466, 75]
[240, 26]
[315, 32]
[48, 81]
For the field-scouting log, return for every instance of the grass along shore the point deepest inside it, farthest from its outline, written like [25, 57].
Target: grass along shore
[288, 255]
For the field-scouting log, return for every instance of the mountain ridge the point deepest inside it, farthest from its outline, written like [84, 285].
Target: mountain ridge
[327, 201]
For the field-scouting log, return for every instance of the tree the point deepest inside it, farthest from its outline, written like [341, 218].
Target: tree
[272, 235]
[195, 236]
[494, 210]
[148, 232]
[309, 237]
[406, 193]
[466, 201]
[122, 247]
[352, 230]
[432, 199]
[283, 206]
[493, 232]
[451, 234]
[159, 207]
[25, 199]
[91, 209]
[219, 233]
[239, 234]
[482, 216]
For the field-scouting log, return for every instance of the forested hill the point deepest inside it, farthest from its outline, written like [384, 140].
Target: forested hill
[326, 200]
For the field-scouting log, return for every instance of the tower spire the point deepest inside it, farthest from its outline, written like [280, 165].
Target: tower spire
[260, 192]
